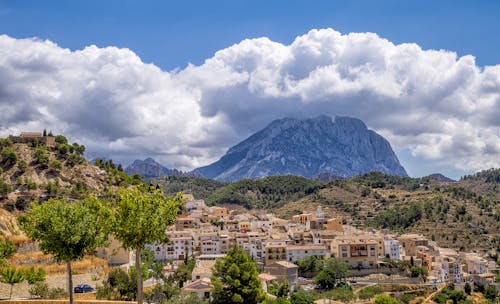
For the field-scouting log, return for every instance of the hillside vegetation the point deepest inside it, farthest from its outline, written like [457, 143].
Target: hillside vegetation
[35, 171]
[461, 215]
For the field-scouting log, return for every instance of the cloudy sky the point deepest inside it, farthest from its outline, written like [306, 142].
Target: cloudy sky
[182, 83]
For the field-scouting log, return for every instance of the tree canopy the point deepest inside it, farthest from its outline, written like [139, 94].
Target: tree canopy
[333, 272]
[67, 230]
[235, 279]
[141, 217]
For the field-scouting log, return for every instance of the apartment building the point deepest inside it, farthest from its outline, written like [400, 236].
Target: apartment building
[357, 251]
[297, 252]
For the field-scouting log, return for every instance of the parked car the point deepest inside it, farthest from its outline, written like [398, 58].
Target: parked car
[83, 288]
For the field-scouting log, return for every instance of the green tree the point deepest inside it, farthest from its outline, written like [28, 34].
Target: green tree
[11, 276]
[490, 293]
[301, 297]
[141, 217]
[333, 272]
[235, 279]
[67, 230]
[385, 299]
[467, 288]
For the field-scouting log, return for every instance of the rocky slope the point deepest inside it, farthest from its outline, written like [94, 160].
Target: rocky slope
[341, 147]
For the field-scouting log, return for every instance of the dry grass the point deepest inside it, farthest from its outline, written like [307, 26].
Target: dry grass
[88, 264]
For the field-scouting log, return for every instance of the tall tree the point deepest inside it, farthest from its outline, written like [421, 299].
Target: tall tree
[235, 279]
[141, 217]
[11, 276]
[67, 230]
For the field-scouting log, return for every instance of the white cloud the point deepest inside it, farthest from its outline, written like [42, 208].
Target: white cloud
[442, 107]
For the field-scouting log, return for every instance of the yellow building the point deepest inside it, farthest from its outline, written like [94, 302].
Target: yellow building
[334, 224]
[357, 251]
[411, 242]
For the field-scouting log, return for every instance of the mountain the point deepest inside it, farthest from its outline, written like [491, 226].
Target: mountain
[150, 168]
[342, 147]
[441, 177]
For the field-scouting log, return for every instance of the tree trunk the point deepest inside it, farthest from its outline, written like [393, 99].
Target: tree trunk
[139, 274]
[70, 281]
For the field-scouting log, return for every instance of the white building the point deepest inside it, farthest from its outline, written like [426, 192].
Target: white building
[297, 252]
[392, 249]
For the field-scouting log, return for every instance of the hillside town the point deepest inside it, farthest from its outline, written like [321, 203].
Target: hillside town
[277, 245]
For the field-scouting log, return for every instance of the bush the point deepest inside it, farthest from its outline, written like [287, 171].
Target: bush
[8, 156]
[4, 188]
[42, 290]
[369, 292]
[55, 164]
[119, 285]
[22, 165]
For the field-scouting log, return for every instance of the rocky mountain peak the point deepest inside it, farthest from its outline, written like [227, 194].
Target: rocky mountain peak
[342, 146]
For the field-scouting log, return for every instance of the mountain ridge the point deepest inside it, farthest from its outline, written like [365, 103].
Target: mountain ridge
[343, 147]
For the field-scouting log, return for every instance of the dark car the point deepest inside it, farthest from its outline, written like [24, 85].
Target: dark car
[83, 288]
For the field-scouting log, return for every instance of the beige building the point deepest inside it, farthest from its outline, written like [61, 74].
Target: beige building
[357, 251]
[283, 270]
[274, 252]
[114, 253]
[334, 224]
[411, 242]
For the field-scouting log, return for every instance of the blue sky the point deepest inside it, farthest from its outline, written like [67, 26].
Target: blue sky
[171, 34]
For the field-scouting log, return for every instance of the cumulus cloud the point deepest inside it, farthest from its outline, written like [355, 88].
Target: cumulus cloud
[442, 107]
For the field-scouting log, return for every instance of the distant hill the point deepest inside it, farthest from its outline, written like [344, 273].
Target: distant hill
[150, 168]
[343, 147]
[441, 177]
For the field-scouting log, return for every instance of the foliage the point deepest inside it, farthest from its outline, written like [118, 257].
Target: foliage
[11, 276]
[399, 217]
[55, 164]
[115, 174]
[141, 217]
[184, 271]
[419, 272]
[280, 290]
[34, 276]
[490, 293]
[385, 299]
[185, 299]
[41, 156]
[199, 187]
[467, 288]
[301, 297]
[334, 271]
[490, 176]
[8, 156]
[119, 285]
[4, 188]
[369, 292]
[268, 192]
[67, 230]
[22, 165]
[235, 279]
[449, 293]
[310, 264]
[7, 248]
